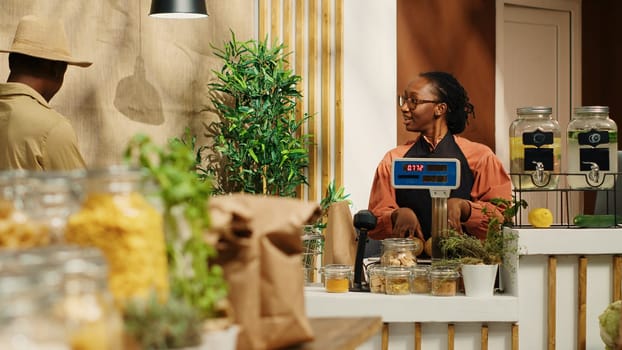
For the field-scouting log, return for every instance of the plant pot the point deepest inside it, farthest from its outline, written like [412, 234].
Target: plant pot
[479, 280]
[224, 339]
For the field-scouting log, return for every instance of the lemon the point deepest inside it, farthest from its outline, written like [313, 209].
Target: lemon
[540, 217]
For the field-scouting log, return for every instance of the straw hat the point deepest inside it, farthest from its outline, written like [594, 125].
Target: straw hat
[44, 39]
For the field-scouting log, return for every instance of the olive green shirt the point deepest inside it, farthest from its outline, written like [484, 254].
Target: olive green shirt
[32, 135]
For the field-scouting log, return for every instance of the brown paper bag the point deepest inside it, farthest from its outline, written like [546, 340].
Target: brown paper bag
[340, 235]
[260, 251]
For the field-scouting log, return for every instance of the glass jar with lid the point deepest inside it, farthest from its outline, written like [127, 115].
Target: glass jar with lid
[592, 147]
[376, 278]
[116, 217]
[312, 243]
[400, 251]
[421, 279]
[535, 150]
[397, 280]
[337, 278]
[444, 281]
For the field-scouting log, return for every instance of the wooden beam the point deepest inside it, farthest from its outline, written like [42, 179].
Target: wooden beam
[325, 89]
[515, 336]
[484, 337]
[617, 277]
[339, 132]
[552, 301]
[451, 335]
[582, 304]
[385, 336]
[263, 19]
[311, 93]
[417, 335]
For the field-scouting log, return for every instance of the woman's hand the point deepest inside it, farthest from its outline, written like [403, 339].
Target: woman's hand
[458, 211]
[406, 223]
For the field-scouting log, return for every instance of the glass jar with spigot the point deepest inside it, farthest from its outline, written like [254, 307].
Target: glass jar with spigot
[535, 154]
[592, 148]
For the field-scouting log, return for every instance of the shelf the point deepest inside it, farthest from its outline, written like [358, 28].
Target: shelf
[412, 307]
[574, 240]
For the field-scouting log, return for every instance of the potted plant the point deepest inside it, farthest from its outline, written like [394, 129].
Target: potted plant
[198, 288]
[480, 259]
[258, 145]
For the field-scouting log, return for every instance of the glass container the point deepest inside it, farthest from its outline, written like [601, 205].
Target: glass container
[376, 279]
[400, 251]
[28, 297]
[17, 229]
[535, 154]
[51, 198]
[337, 278]
[397, 280]
[420, 279]
[443, 281]
[116, 217]
[592, 147]
[312, 247]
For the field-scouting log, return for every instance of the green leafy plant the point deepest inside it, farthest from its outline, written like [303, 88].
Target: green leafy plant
[331, 196]
[156, 325]
[471, 250]
[259, 146]
[184, 197]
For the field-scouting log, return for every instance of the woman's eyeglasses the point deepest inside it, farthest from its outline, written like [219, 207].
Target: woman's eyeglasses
[412, 102]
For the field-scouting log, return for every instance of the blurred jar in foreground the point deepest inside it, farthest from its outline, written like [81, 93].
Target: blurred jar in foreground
[535, 149]
[397, 280]
[51, 198]
[421, 280]
[17, 229]
[117, 218]
[93, 321]
[592, 148]
[27, 300]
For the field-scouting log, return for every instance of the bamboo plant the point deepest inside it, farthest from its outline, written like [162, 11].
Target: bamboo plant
[258, 144]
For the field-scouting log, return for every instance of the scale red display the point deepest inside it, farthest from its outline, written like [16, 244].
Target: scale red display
[419, 167]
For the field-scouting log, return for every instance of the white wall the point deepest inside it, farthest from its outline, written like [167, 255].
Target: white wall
[370, 68]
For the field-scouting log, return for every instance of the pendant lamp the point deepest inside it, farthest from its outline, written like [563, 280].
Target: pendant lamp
[178, 9]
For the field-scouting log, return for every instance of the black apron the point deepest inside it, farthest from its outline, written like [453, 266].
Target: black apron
[419, 200]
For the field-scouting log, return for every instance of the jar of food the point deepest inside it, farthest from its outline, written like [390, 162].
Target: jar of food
[28, 300]
[116, 217]
[443, 281]
[421, 279]
[376, 279]
[51, 198]
[400, 251]
[18, 230]
[397, 280]
[337, 278]
[92, 319]
[535, 152]
[592, 148]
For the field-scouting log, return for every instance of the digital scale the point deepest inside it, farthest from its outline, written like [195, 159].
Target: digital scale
[440, 176]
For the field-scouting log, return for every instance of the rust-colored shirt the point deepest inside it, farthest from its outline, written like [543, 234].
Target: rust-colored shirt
[32, 135]
[490, 181]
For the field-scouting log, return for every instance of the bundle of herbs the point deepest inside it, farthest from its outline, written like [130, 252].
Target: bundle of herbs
[468, 249]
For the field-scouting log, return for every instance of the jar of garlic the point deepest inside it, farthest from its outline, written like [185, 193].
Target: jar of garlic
[444, 281]
[421, 279]
[400, 251]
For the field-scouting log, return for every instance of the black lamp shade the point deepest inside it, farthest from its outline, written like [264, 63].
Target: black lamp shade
[178, 9]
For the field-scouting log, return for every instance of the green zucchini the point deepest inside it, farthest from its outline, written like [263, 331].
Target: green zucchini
[603, 220]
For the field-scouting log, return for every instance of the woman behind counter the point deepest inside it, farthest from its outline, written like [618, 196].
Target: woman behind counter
[436, 106]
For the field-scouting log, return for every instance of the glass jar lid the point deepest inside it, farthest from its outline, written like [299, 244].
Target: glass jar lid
[444, 272]
[534, 110]
[421, 270]
[592, 109]
[336, 270]
[397, 271]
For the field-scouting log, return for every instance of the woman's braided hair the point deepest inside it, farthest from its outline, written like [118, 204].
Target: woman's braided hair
[449, 90]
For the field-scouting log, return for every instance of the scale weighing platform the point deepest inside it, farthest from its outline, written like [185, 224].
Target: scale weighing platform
[440, 176]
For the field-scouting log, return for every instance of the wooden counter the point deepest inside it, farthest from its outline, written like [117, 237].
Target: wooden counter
[341, 333]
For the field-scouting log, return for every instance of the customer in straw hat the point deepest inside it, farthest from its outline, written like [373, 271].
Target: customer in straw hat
[32, 135]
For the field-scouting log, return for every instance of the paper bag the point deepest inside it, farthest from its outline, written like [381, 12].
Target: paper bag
[340, 235]
[260, 251]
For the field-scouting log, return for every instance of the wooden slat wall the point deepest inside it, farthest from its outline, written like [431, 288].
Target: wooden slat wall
[316, 28]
